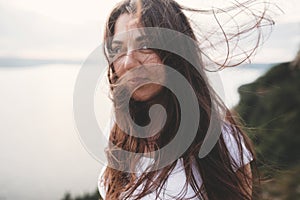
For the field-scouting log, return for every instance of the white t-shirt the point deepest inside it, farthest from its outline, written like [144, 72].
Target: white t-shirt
[175, 184]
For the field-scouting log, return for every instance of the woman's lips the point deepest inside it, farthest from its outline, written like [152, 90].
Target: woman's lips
[138, 81]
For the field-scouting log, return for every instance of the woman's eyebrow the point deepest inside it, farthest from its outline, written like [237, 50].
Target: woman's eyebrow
[116, 42]
[142, 37]
[138, 39]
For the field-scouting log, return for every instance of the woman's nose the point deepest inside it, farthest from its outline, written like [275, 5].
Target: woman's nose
[130, 61]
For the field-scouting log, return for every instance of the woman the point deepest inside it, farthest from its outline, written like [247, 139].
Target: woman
[225, 172]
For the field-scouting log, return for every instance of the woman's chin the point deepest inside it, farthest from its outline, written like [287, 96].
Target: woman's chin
[139, 96]
[146, 93]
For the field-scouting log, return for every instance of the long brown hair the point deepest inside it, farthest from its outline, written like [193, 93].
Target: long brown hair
[220, 181]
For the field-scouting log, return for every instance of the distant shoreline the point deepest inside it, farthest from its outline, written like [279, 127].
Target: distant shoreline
[23, 62]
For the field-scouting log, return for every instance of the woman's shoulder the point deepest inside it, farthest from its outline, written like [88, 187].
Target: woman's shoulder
[235, 144]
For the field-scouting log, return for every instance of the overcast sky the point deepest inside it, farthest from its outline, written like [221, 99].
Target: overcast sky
[69, 29]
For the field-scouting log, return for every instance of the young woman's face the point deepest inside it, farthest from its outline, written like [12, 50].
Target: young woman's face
[131, 52]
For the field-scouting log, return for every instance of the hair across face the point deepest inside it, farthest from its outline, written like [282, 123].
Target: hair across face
[132, 63]
[129, 50]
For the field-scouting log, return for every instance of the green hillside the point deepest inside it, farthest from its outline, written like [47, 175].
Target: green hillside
[270, 108]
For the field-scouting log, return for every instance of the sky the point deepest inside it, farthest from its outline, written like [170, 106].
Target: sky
[39, 144]
[65, 29]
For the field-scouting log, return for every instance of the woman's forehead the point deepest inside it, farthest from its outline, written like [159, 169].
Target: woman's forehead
[128, 29]
[126, 22]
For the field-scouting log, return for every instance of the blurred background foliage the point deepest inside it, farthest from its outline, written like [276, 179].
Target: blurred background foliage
[270, 108]
[93, 196]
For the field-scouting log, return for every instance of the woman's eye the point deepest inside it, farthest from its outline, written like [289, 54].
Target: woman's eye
[116, 50]
[143, 46]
